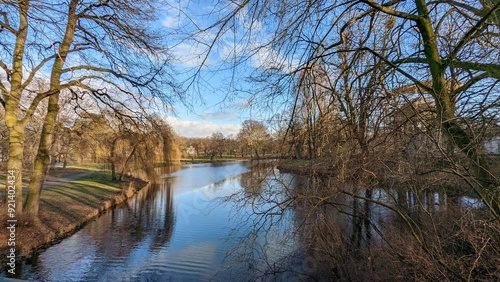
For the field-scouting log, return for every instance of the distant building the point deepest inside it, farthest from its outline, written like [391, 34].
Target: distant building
[191, 151]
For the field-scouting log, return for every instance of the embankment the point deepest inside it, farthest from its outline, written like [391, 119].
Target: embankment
[66, 208]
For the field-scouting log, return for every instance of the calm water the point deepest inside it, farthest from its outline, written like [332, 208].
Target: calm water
[227, 222]
[177, 230]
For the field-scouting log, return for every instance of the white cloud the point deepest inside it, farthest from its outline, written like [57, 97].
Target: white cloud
[188, 128]
[170, 21]
[211, 115]
[191, 55]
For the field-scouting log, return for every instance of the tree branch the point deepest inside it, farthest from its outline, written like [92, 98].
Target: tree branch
[470, 34]
[493, 70]
[385, 9]
[5, 68]
[5, 24]
[398, 69]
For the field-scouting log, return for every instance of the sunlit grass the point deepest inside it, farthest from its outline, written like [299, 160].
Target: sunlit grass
[3, 175]
[76, 199]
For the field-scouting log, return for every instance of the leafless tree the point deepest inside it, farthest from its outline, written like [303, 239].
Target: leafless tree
[104, 50]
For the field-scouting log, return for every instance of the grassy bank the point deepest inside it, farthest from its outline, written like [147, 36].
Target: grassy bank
[66, 207]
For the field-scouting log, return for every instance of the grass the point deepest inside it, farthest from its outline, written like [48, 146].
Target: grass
[55, 173]
[295, 164]
[78, 198]
[3, 175]
[306, 163]
[64, 207]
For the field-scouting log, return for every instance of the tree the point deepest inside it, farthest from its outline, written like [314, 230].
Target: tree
[456, 64]
[98, 50]
[446, 51]
[254, 135]
[216, 145]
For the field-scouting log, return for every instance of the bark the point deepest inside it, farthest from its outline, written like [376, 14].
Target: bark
[445, 100]
[127, 160]
[42, 161]
[16, 127]
[15, 164]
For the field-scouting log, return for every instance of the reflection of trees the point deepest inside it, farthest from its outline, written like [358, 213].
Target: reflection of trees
[342, 231]
[254, 180]
[149, 214]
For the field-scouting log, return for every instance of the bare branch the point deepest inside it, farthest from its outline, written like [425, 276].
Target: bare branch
[385, 8]
[470, 34]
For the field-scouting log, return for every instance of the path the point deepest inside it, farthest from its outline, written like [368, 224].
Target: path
[58, 181]
[62, 180]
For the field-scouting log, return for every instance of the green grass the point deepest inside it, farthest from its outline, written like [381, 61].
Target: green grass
[77, 198]
[88, 189]
[65, 206]
[4, 174]
[55, 173]
[93, 167]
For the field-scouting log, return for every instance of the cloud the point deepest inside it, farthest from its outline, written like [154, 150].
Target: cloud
[170, 21]
[188, 128]
[191, 55]
[218, 115]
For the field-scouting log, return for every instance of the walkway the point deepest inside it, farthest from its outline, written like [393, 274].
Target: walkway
[58, 181]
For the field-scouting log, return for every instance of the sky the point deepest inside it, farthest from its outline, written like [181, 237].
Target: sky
[208, 108]
[213, 106]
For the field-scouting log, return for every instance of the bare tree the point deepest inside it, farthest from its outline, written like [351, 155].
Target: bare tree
[445, 52]
[456, 64]
[254, 135]
[100, 50]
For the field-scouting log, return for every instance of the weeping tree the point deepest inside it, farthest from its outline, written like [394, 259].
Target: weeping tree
[103, 51]
[150, 142]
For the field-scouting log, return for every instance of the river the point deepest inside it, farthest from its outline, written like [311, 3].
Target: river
[228, 222]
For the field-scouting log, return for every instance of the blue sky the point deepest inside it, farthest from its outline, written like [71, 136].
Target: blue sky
[213, 106]
[209, 107]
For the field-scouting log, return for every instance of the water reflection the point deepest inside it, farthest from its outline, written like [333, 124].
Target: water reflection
[234, 221]
[328, 230]
[119, 239]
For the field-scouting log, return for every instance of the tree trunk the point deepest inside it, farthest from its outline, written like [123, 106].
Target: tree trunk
[127, 160]
[446, 107]
[42, 161]
[112, 159]
[16, 128]
[15, 165]
[256, 153]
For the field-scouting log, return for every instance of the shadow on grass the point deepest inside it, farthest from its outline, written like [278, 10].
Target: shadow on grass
[76, 199]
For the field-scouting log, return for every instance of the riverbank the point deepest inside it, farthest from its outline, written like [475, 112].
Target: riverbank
[308, 167]
[66, 207]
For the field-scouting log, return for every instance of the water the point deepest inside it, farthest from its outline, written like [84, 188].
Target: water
[233, 221]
